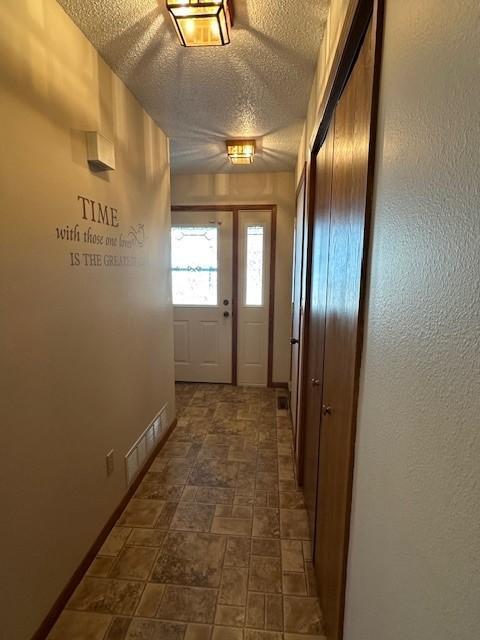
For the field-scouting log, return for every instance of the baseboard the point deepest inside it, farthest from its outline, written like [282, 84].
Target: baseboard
[62, 600]
[279, 385]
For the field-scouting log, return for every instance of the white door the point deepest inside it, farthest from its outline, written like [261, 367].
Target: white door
[202, 295]
[254, 247]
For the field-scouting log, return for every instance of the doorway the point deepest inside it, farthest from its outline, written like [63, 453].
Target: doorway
[223, 275]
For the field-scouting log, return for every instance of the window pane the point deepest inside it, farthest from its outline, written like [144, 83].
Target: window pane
[254, 267]
[194, 266]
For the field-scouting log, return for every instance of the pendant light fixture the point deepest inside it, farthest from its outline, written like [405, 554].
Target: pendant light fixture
[241, 151]
[202, 23]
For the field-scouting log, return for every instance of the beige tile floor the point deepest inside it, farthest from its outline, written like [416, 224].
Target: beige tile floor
[215, 543]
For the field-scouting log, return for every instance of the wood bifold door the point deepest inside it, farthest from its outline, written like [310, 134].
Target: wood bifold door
[340, 181]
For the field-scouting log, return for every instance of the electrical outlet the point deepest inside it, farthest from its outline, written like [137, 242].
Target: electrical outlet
[110, 463]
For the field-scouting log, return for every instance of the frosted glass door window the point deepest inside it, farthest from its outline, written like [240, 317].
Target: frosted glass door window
[195, 266]
[254, 266]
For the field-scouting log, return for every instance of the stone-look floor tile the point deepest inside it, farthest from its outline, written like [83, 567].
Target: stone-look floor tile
[273, 500]
[188, 604]
[233, 586]
[146, 537]
[191, 559]
[273, 612]
[266, 481]
[193, 517]
[214, 473]
[106, 596]
[302, 615]
[256, 610]
[198, 632]
[265, 575]
[142, 629]
[230, 615]
[294, 524]
[307, 550]
[298, 636]
[151, 490]
[311, 579]
[231, 526]
[80, 626]
[175, 450]
[266, 523]
[134, 563]
[175, 472]
[166, 516]
[268, 548]
[101, 567]
[245, 485]
[287, 485]
[141, 513]
[227, 633]
[294, 584]
[237, 553]
[115, 541]
[254, 634]
[150, 601]
[292, 500]
[118, 629]
[292, 555]
[188, 494]
[214, 495]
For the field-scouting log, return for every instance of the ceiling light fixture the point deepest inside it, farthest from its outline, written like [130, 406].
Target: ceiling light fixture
[202, 23]
[241, 151]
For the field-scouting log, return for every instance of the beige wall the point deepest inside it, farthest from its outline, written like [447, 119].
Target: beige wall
[414, 569]
[255, 188]
[333, 29]
[86, 351]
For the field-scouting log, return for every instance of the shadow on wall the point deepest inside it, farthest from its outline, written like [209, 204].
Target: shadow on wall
[49, 93]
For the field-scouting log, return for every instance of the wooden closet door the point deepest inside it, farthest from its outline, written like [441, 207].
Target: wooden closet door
[341, 353]
[312, 383]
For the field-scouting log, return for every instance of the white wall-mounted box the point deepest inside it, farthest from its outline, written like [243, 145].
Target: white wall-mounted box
[100, 152]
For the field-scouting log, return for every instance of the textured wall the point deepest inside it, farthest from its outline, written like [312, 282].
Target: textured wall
[256, 188]
[86, 352]
[414, 570]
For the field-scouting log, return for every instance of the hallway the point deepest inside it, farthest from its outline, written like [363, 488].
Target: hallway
[215, 544]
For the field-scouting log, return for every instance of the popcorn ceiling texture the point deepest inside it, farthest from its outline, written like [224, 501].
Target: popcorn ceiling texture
[257, 86]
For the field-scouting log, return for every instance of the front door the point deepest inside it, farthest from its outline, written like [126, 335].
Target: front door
[202, 245]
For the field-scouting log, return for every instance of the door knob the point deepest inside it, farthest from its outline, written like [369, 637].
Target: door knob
[327, 410]
[315, 382]
[294, 341]
[226, 314]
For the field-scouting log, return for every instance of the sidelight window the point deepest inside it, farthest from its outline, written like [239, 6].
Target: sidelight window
[254, 266]
[195, 266]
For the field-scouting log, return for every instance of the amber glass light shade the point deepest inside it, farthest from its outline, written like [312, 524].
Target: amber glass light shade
[201, 23]
[241, 151]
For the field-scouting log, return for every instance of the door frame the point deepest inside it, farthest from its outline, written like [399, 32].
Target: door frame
[359, 15]
[302, 183]
[236, 209]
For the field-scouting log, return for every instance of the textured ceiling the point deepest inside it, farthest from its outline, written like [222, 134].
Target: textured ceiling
[258, 86]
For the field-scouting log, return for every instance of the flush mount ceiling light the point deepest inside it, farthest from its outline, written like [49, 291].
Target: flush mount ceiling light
[241, 151]
[202, 23]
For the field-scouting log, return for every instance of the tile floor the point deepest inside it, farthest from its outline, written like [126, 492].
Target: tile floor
[215, 543]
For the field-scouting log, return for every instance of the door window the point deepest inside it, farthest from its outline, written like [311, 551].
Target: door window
[195, 266]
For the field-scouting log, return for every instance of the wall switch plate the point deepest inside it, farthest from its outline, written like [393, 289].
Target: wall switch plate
[110, 463]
